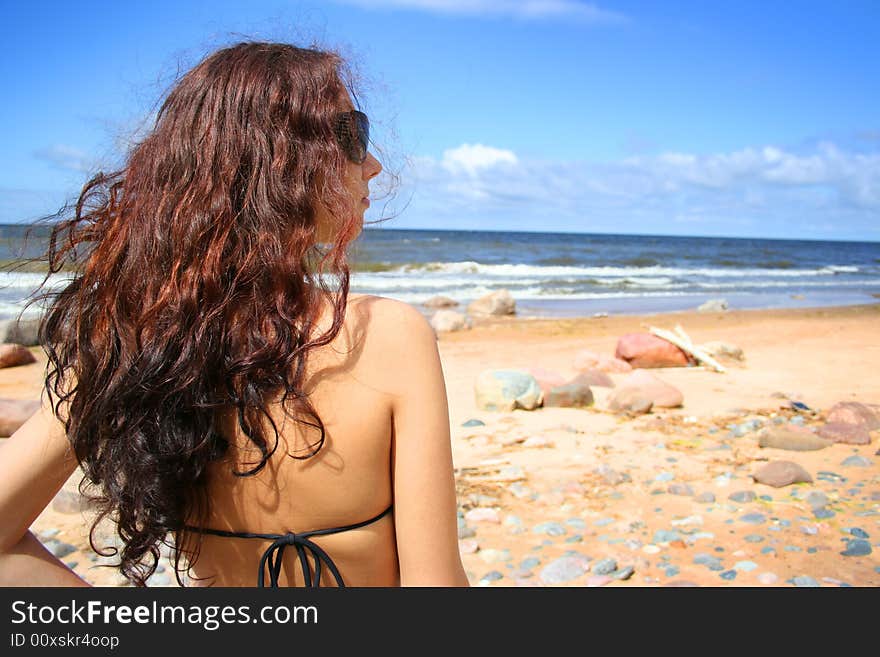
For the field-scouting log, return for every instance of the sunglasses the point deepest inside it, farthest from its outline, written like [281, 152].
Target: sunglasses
[353, 134]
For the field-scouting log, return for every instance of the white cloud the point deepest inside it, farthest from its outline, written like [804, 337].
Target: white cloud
[763, 187]
[471, 158]
[521, 9]
[65, 157]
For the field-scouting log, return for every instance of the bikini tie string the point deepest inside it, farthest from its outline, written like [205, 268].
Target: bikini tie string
[272, 561]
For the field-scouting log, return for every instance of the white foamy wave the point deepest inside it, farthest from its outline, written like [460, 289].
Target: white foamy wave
[842, 269]
[32, 280]
[789, 284]
[471, 267]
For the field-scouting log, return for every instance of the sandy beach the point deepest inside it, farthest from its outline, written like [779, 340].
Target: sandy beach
[590, 497]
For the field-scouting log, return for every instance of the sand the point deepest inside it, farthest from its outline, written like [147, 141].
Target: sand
[524, 469]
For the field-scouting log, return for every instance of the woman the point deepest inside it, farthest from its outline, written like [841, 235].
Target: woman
[215, 389]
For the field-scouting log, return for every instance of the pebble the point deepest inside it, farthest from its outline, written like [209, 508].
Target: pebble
[824, 513]
[708, 560]
[598, 580]
[690, 520]
[810, 530]
[793, 548]
[768, 550]
[664, 476]
[604, 567]
[473, 422]
[672, 571]
[468, 546]
[59, 548]
[576, 538]
[745, 566]
[858, 533]
[804, 580]
[754, 538]
[601, 522]
[563, 569]
[680, 489]
[666, 536]
[466, 532]
[491, 576]
[549, 528]
[857, 461]
[650, 549]
[529, 563]
[857, 548]
[494, 556]
[817, 499]
[722, 480]
[753, 518]
[577, 523]
[623, 573]
[768, 578]
[482, 514]
[705, 498]
[742, 496]
[728, 574]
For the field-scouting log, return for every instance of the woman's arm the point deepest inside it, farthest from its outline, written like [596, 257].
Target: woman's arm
[34, 464]
[424, 485]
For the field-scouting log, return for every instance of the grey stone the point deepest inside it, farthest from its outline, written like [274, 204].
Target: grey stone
[857, 548]
[804, 580]
[59, 548]
[742, 496]
[857, 461]
[705, 498]
[753, 518]
[665, 536]
[604, 566]
[563, 569]
[549, 528]
[623, 573]
[680, 489]
[22, 331]
[473, 422]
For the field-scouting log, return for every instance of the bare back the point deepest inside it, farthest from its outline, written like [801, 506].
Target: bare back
[347, 482]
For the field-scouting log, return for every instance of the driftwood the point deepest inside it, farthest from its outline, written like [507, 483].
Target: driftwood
[681, 340]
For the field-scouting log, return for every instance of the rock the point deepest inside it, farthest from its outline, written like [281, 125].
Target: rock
[563, 569]
[843, 432]
[665, 536]
[647, 350]
[804, 580]
[857, 461]
[652, 387]
[630, 400]
[724, 349]
[449, 320]
[570, 395]
[547, 379]
[854, 413]
[604, 567]
[22, 331]
[59, 548]
[14, 413]
[598, 580]
[440, 301]
[705, 498]
[623, 573]
[857, 548]
[753, 518]
[482, 514]
[817, 499]
[468, 545]
[768, 579]
[549, 528]
[680, 489]
[496, 303]
[713, 306]
[791, 438]
[782, 473]
[594, 377]
[473, 422]
[505, 390]
[742, 496]
[12, 355]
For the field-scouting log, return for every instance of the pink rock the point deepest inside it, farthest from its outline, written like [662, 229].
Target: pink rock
[547, 379]
[614, 365]
[647, 350]
[652, 387]
[594, 377]
[844, 432]
[14, 413]
[482, 514]
[630, 400]
[598, 580]
[854, 413]
[782, 473]
[12, 355]
[468, 546]
[768, 578]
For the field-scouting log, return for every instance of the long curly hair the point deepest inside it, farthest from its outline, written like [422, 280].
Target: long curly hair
[198, 280]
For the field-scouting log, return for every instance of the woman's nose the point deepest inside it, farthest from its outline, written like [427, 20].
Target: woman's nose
[372, 167]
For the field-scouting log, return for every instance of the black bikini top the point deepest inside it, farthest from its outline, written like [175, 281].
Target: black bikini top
[274, 553]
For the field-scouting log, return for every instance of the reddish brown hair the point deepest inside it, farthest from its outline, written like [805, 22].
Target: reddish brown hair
[198, 285]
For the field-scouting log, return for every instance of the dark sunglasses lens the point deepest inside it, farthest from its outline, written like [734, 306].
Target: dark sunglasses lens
[353, 130]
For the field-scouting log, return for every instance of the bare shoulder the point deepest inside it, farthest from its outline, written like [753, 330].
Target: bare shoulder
[388, 317]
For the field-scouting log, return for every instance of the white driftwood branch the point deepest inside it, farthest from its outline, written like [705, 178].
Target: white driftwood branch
[685, 344]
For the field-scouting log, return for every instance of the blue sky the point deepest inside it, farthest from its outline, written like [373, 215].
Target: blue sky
[745, 119]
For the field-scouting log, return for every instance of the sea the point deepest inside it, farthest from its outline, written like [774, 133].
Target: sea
[555, 275]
